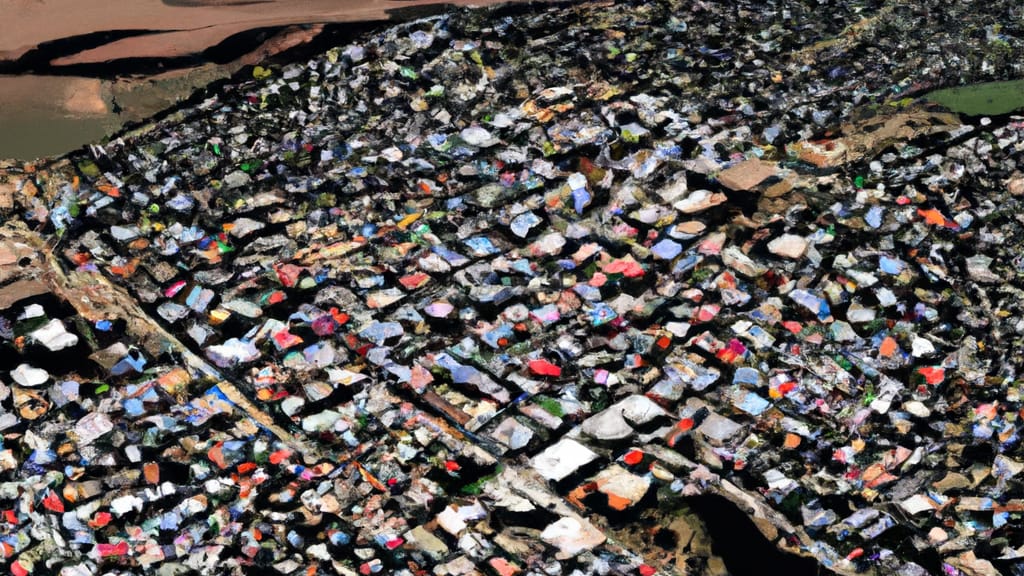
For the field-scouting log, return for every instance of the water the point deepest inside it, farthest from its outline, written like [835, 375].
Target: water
[33, 135]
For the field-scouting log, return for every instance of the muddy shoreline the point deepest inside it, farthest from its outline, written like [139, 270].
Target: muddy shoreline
[64, 84]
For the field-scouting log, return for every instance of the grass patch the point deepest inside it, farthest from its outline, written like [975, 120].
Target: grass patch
[550, 405]
[982, 99]
[477, 486]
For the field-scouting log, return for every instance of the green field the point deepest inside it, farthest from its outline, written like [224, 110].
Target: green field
[990, 98]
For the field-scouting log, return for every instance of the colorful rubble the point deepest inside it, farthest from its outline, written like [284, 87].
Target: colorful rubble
[477, 293]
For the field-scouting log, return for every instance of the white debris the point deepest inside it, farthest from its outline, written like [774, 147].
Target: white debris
[91, 427]
[29, 376]
[477, 136]
[788, 246]
[921, 347]
[562, 459]
[571, 537]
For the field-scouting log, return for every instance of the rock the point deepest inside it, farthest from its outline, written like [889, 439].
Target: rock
[237, 179]
[456, 517]
[978, 269]
[91, 427]
[29, 376]
[858, 314]
[734, 258]
[124, 233]
[1015, 184]
[512, 433]
[321, 421]
[666, 249]
[572, 536]
[562, 459]
[243, 307]
[921, 347]
[699, 201]
[917, 408]
[719, 429]
[109, 356]
[937, 536]
[424, 541]
[244, 226]
[971, 565]
[951, 481]
[607, 425]
[522, 224]
[477, 136]
[616, 422]
[232, 353]
[789, 246]
[747, 174]
[624, 489]
[54, 336]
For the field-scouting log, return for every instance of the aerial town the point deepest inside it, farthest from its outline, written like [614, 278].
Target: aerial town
[595, 288]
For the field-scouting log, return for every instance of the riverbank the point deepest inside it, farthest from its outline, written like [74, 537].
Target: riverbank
[72, 73]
